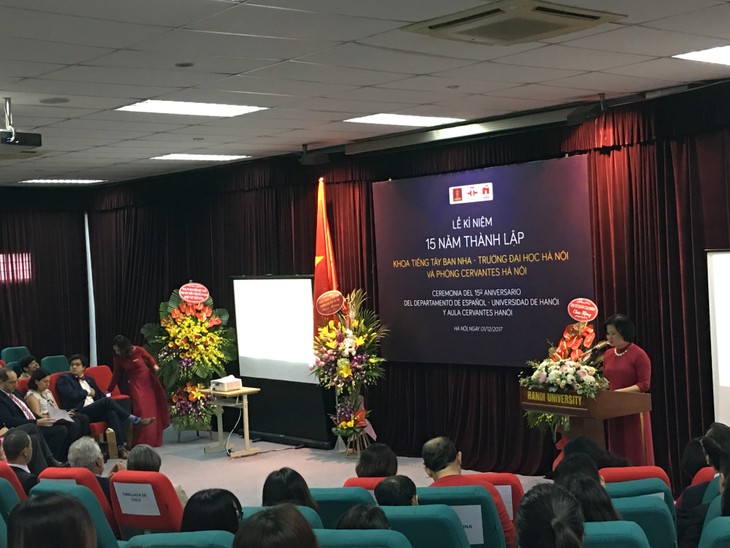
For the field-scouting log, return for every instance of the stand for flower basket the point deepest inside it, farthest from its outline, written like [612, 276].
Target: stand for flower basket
[353, 445]
[198, 429]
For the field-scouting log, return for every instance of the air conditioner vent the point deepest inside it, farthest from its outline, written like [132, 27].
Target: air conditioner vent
[506, 22]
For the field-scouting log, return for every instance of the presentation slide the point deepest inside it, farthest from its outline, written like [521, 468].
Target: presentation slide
[478, 267]
[274, 327]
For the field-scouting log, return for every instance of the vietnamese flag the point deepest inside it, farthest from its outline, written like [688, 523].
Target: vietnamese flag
[325, 274]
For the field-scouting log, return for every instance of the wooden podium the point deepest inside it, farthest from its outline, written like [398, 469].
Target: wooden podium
[586, 414]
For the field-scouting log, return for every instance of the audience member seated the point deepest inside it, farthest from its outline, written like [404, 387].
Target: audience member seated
[14, 412]
[145, 458]
[287, 486]
[40, 399]
[592, 496]
[42, 456]
[396, 491]
[693, 460]
[575, 464]
[80, 393]
[51, 520]
[690, 510]
[212, 510]
[363, 516]
[26, 366]
[600, 456]
[86, 453]
[18, 452]
[443, 464]
[549, 517]
[282, 526]
[377, 461]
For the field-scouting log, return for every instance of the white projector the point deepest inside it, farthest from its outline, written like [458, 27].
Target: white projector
[226, 384]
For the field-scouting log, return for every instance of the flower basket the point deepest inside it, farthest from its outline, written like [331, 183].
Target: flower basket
[572, 366]
[193, 345]
[346, 360]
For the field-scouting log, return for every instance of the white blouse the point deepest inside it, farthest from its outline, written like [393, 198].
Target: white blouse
[45, 399]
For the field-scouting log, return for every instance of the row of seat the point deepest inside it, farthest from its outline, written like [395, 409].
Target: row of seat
[10, 356]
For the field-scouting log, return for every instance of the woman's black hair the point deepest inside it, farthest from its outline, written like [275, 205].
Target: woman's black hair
[600, 456]
[549, 517]
[281, 526]
[720, 457]
[51, 520]
[593, 498]
[123, 344]
[623, 325]
[212, 510]
[377, 461]
[37, 376]
[363, 516]
[693, 460]
[287, 485]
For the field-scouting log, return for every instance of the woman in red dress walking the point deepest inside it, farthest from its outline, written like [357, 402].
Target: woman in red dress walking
[628, 369]
[145, 390]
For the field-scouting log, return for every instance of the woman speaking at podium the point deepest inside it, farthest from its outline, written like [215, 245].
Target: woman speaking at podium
[628, 369]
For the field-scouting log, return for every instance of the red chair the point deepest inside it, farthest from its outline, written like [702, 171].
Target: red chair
[7, 473]
[22, 385]
[704, 475]
[365, 483]
[84, 477]
[100, 430]
[103, 376]
[144, 502]
[630, 473]
[509, 487]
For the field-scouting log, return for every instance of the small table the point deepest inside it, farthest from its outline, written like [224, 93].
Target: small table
[233, 398]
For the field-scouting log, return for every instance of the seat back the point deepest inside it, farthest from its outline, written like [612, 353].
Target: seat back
[335, 501]
[144, 501]
[196, 539]
[651, 514]
[630, 473]
[475, 508]
[8, 498]
[7, 473]
[703, 474]
[712, 490]
[369, 538]
[22, 385]
[309, 514]
[3, 533]
[55, 364]
[716, 534]
[52, 380]
[649, 486]
[428, 525]
[714, 510]
[13, 353]
[82, 476]
[103, 377]
[610, 534]
[104, 535]
[509, 487]
[365, 483]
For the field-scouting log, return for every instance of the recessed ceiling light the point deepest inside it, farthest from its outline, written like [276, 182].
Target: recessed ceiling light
[719, 56]
[404, 120]
[190, 109]
[200, 157]
[65, 181]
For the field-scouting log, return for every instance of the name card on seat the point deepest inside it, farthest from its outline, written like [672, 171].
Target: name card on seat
[471, 519]
[136, 499]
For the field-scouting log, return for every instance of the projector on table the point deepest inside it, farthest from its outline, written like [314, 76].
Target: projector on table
[226, 384]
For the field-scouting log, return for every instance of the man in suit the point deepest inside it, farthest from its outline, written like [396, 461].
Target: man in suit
[14, 412]
[86, 453]
[80, 393]
[18, 452]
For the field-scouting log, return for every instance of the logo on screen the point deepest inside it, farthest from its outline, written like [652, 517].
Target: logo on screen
[465, 194]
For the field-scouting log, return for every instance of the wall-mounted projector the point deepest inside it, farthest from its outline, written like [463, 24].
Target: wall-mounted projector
[20, 141]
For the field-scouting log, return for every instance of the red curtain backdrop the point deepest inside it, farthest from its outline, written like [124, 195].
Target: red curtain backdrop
[659, 197]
